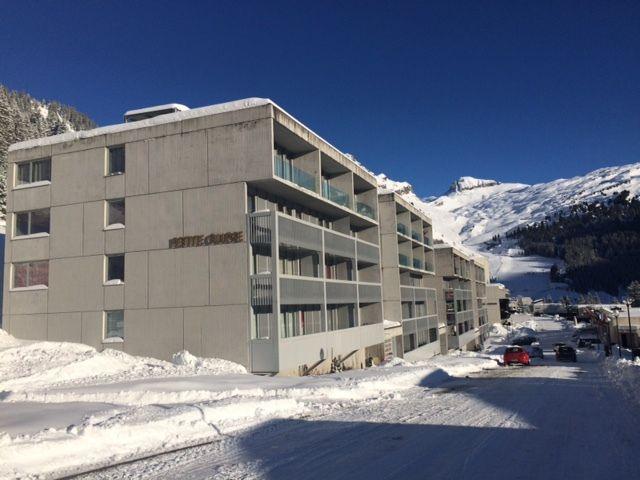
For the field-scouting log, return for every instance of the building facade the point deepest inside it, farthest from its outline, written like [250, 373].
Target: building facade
[231, 231]
[409, 282]
[497, 302]
[461, 309]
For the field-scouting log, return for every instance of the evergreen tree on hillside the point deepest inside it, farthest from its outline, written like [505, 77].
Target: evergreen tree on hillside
[633, 293]
[22, 118]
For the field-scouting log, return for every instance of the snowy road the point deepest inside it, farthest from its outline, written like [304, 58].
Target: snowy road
[552, 420]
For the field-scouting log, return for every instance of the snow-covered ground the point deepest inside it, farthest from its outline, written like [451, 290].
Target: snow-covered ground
[68, 408]
[459, 416]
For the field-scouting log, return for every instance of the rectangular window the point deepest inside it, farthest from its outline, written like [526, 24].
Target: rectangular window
[30, 274]
[116, 161]
[114, 324]
[115, 268]
[433, 335]
[115, 212]
[30, 223]
[34, 171]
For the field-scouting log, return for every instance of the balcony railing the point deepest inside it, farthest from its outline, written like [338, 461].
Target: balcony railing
[403, 260]
[417, 264]
[289, 172]
[416, 236]
[428, 241]
[402, 228]
[335, 195]
[366, 210]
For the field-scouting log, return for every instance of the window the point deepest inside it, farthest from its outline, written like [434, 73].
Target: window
[34, 171]
[115, 212]
[30, 223]
[114, 324]
[116, 161]
[115, 268]
[433, 335]
[30, 274]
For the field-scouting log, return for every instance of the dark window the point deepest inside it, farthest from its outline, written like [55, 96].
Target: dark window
[115, 267]
[29, 274]
[30, 223]
[114, 324]
[116, 160]
[115, 212]
[34, 171]
[433, 335]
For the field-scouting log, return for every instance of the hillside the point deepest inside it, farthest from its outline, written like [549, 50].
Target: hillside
[473, 211]
[22, 117]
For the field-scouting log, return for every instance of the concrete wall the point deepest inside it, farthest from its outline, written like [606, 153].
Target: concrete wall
[181, 179]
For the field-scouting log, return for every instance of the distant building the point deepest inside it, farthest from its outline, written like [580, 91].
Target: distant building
[497, 302]
[463, 312]
[409, 282]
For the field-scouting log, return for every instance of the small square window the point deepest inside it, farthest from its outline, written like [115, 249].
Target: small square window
[114, 324]
[115, 212]
[116, 161]
[34, 171]
[115, 268]
[31, 274]
[30, 223]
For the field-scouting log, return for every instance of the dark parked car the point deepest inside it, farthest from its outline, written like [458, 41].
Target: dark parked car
[535, 351]
[524, 340]
[558, 345]
[566, 353]
[588, 342]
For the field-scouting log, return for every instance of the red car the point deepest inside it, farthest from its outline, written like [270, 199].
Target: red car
[516, 355]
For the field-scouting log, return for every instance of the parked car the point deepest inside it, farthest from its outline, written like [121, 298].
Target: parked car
[524, 340]
[566, 353]
[558, 345]
[516, 355]
[535, 351]
[587, 342]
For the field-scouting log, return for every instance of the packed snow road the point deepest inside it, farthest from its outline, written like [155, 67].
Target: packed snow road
[550, 420]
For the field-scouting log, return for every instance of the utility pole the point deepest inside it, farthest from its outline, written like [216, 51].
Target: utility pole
[616, 313]
[631, 341]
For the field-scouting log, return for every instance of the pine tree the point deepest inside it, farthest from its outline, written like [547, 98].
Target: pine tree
[633, 292]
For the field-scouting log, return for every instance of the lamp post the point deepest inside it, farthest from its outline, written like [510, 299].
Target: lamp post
[616, 313]
[632, 342]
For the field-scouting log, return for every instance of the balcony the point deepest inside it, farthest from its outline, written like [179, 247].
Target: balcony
[403, 260]
[366, 210]
[285, 170]
[402, 228]
[416, 236]
[418, 264]
[335, 195]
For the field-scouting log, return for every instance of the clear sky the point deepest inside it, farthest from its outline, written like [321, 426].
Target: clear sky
[426, 92]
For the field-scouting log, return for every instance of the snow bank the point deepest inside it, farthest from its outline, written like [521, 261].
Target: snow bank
[38, 365]
[625, 374]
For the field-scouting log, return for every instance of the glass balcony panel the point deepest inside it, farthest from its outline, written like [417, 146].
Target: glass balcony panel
[403, 260]
[366, 210]
[402, 228]
[285, 170]
[417, 264]
[335, 195]
[416, 236]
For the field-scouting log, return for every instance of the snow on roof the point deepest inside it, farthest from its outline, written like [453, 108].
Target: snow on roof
[155, 108]
[160, 120]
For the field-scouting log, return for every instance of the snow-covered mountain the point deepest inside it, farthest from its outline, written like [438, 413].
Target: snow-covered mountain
[475, 210]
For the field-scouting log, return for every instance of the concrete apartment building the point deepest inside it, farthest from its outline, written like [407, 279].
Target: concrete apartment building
[231, 231]
[409, 282]
[497, 301]
[458, 303]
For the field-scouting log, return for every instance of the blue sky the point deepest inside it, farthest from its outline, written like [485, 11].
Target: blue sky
[425, 92]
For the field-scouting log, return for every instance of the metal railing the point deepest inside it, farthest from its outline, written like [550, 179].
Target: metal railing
[261, 289]
[260, 228]
[285, 170]
[366, 210]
